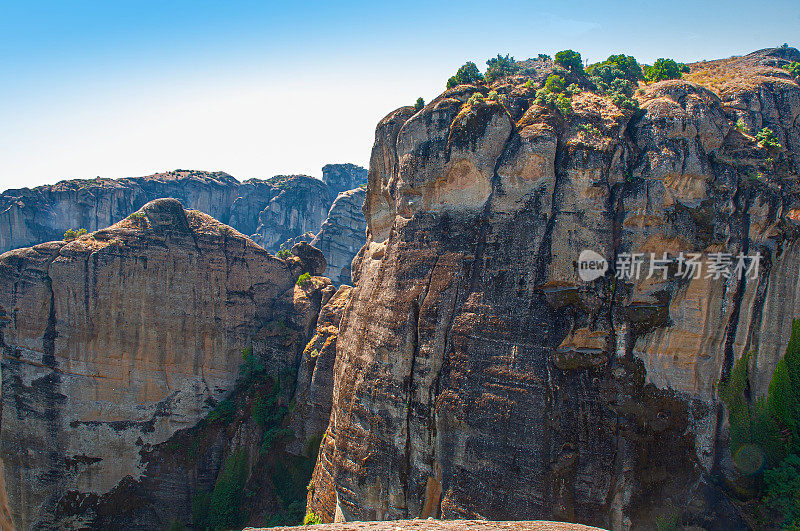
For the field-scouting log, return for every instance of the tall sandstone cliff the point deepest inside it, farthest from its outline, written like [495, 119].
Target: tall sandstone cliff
[478, 377]
[117, 341]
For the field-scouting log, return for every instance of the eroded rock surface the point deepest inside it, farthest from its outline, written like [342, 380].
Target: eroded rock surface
[478, 377]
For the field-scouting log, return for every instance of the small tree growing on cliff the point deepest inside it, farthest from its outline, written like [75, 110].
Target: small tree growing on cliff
[794, 69]
[420, 103]
[767, 139]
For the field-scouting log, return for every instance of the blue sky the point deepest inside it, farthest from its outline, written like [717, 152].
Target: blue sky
[256, 88]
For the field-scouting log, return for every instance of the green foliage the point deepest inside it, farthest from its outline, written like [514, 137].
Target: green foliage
[272, 436]
[304, 280]
[266, 409]
[752, 427]
[741, 126]
[223, 412]
[468, 74]
[766, 138]
[782, 491]
[225, 499]
[767, 431]
[475, 99]
[554, 83]
[72, 234]
[500, 66]
[555, 95]
[283, 253]
[664, 69]
[617, 78]
[137, 215]
[794, 69]
[419, 104]
[312, 519]
[544, 57]
[784, 389]
[571, 60]
[493, 96]
[564, 104]
[528, 84]
[590, 130]
[627, 64]
[251, 366]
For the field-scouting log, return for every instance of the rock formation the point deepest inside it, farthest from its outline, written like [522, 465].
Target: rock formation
[477, 376]
[342, 234]
[115, 341]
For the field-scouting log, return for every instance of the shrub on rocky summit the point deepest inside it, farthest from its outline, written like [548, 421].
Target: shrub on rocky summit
[500, 67]
[468, 74]
[555, 95]
[419, 104]
[664, 69]
[571, 60]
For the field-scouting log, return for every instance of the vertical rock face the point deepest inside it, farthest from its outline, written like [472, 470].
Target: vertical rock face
[342, 234]
[114, 341]
[478, 376]
[342, 177]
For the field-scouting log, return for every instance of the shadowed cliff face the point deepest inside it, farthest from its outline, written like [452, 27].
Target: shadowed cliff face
[113, 342]
[478, 376]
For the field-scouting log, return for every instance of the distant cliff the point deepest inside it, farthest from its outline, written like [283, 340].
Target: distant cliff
[270, 211]
[479, 376]
[342, 234]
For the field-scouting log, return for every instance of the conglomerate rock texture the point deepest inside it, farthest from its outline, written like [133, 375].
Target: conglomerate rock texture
[113, 342]
[270, 211]
[478, 377]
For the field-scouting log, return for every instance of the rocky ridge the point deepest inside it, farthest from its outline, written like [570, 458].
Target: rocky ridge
[269, 211]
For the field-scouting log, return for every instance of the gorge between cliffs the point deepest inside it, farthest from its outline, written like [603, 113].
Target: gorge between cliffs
[187, 363]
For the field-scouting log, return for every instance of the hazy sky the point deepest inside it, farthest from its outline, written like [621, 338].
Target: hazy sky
[122, 88]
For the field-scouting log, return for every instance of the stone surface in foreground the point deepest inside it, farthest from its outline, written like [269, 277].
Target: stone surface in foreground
[447, 525]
